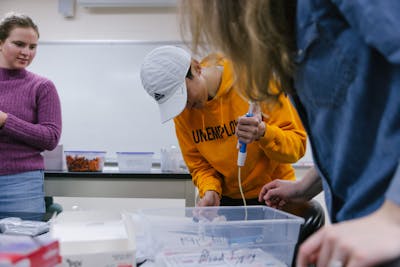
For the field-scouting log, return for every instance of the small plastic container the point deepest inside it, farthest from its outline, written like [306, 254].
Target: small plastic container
[54, 159]
[171, 158]
[135, 161]
[85, 161]
[255, 234]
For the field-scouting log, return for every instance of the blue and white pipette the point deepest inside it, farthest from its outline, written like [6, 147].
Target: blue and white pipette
[243, 146]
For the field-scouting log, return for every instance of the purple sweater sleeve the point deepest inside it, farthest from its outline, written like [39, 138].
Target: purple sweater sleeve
[46, 133]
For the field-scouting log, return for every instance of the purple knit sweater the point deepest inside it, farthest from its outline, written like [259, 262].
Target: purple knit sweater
[34, 120]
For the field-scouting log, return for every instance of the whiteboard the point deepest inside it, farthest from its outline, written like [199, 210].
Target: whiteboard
[104, 106]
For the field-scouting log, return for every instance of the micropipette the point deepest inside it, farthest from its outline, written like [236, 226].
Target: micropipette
[243, 146]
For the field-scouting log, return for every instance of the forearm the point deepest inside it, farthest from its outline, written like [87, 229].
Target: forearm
[310, 183]
[206, 181]
[390, 211]
[37, 126]
[42, 136]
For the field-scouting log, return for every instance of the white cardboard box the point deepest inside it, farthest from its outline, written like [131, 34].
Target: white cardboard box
[95, 238]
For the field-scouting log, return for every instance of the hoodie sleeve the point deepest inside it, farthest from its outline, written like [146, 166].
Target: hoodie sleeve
[285, 138]
[204, 176]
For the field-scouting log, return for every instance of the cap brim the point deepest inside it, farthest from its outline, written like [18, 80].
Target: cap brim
[174, 105]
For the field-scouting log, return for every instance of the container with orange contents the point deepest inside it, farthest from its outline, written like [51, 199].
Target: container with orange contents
[85, 161]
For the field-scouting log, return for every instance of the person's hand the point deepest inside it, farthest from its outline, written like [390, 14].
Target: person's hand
[210, 198]
[364, 242]
[250, 129]
[279, 192]
[3, 118]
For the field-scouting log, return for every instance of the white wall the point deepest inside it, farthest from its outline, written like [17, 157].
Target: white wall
[123, 23]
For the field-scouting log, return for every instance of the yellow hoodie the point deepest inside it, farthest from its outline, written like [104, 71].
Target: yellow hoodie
[209, 145]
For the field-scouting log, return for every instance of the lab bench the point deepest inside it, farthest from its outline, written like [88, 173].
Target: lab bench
[154, 184]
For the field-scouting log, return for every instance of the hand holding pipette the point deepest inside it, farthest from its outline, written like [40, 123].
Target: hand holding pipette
[249, 129]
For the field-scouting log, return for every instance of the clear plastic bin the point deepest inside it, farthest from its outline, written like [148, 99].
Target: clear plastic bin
[201, 236]
[135, 161]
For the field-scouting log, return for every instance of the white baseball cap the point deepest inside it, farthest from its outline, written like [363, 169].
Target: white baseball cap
[163, 76]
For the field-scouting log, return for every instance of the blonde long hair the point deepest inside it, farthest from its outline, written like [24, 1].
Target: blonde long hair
[257, 35]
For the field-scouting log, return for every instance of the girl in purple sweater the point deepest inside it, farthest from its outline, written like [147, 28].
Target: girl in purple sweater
[30, 118]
